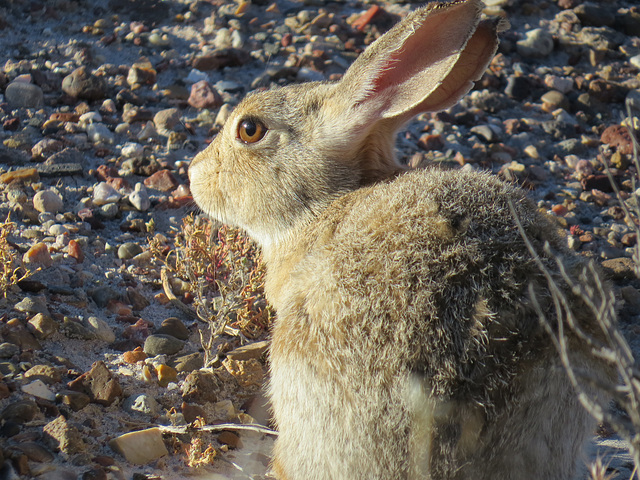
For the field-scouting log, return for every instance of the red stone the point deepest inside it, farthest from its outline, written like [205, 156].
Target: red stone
[203, 95]
[162, 180]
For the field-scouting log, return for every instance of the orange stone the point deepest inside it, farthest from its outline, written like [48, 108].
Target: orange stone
[75, 251]
[134, 356]
[38, 255]
[22, 175]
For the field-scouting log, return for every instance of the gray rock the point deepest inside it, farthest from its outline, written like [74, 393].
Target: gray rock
[82, 84]
[161, 344]
[33, 305]
[8, 350]
[173, 326]
[538, 43]
[59, 169]
[25, 95]
[129, 250]
[141, 403]
[102, 295]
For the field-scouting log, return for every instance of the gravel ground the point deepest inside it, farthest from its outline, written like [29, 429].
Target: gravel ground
[102, 105]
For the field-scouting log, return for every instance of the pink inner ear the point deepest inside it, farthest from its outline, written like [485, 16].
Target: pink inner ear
[440, 37]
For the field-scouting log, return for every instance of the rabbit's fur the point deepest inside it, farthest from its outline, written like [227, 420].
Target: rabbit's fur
[406, 344]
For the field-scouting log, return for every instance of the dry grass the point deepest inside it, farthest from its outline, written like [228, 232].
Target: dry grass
[611, 346]
[10, 271]
[225, 274]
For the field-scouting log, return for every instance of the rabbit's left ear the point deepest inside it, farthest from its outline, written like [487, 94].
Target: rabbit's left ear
[425, 63]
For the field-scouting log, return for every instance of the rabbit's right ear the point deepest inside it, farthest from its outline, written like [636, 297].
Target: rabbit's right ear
[425, 63]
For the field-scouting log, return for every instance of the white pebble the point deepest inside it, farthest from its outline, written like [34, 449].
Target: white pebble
[635, 61]
[104, 193]
[139, 198]
[132, 150]
[47, 201]
[89, 118]
[99, 133]
[37, 388]
[196, 76]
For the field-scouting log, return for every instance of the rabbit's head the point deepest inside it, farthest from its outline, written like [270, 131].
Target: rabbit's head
[285, 154]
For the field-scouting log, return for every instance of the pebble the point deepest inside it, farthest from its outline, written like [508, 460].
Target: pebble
[166, 120]
[60, 434]
[75, 400]
[101, 329]
[99, 133]
[139, 198]
[538, 43]
[140, 447]
[141, 73]
[42, 326]
[200, 387]
[47, 201]
[129, 250]
[141, 403]
[32, 305]
[84, 85]
[21, 411]
[99, 384]
[8, 350]
[160, 344]
[38, 389]
[132, 150]
[148, 132]
[188, 363]
[162, 180]
[45, 373]
[166, 375]
[103, 193]
[175, 327]
[203, 95]
[24, 95]
[635, 61]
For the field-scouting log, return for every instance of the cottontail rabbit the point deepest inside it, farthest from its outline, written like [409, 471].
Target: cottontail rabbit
[406, 343]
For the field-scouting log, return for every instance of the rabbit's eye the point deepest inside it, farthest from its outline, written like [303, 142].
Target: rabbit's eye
[251, 131]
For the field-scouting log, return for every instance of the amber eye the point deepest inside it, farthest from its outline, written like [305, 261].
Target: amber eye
[251, 131]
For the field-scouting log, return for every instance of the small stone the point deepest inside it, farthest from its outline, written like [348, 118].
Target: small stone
[255, 350]
[24, 95]
[47, 201]
[75, 250]
[200, 387]
[618, 136]
[46, 147]
[561, 84]
[141, 73]
[83, 84]
[203, 95]
[192, 412]
[246, 372]
[223, 115]
[101, 329]
[538, 43]
[230, 439]
[620, 268]
[38, 389]
[553, 100]
[103, 193]
[148, 132]
[220, 58]
[63, 436]
[129, 250]
[36, 452]
[485, 132]
[592, 14]
[132, 150]
[99, 383]
[141, 447]
[42, 326]
[518, 87]
[175, 327]
[32, 305]
[188, 363]
[99, 133]
[45, 373]
[139, 198]
[103, 295]
[136, 299]
[166, 120]
[8, 350]
[635, 61]
[162, 180]
[22, 175]
[160, 344]
[134, 356]
[166, 374]
[141, 403]
[75, 400]
[431, 142]
[108, 211]
[22, 411]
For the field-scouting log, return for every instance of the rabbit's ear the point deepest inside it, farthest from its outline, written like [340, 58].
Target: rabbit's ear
[425, 63]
